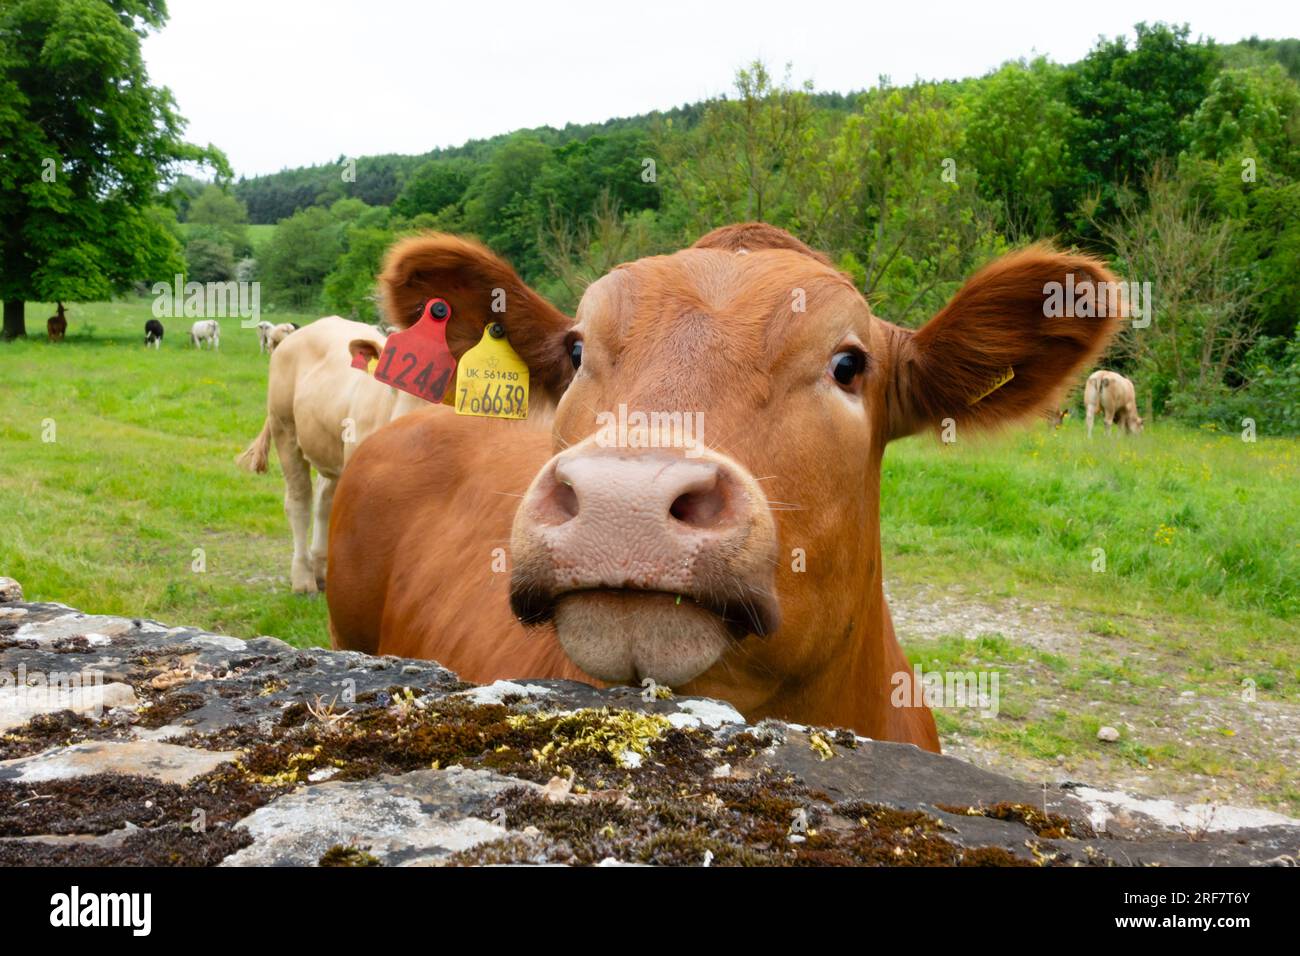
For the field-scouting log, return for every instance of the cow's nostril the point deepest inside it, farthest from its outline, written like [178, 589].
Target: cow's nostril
[565, 501]
[699, 509]
[556, 501]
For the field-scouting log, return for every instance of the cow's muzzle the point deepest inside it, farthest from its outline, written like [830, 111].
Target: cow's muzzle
[651, 564]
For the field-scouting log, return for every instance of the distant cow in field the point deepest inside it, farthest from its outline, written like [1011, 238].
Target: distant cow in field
[206, 330]
[1115, 397]
[153, 333]
[56, 326]
[278, 334]
[264, 336]
[745, 565]
[319, 408]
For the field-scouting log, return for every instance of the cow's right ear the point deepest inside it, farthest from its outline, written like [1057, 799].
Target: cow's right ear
[1007, 345]
[481, 288]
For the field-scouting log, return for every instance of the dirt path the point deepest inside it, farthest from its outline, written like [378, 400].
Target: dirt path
[1062, 677]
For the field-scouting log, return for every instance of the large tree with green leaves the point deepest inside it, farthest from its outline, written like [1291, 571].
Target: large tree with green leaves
[1019, 144]
[85, 144]
[1129, 107]
[303, 251]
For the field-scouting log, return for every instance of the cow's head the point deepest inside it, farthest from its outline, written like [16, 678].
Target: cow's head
[712, 504]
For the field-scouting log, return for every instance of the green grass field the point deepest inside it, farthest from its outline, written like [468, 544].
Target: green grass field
[107, 516]
[260, 235]
[1187, 641]
[1199, 532]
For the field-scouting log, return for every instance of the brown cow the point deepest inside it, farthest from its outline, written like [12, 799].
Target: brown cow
[1116, 398]
[56, 326]
[746, 566]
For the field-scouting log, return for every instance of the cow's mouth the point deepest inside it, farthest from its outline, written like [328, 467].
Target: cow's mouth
[624, 635]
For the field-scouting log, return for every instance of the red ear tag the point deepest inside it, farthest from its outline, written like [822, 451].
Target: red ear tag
[417, 359]
[360, 360]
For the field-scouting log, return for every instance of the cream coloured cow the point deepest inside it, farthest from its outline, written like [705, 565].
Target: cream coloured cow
[1114, 395]
[206, 331]
[276, 334]
[318, 409]
[264, 336]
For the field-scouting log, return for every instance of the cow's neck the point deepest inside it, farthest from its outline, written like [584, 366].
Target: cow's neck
[851, 688]
[852, 684]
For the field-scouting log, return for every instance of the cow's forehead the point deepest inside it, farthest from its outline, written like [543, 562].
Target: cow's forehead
[752, 300]
[708, 328]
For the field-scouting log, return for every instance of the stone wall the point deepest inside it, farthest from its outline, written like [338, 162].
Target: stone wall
[126, 741]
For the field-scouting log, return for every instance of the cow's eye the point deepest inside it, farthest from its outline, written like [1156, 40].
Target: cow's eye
[575, 353]
[847, 366]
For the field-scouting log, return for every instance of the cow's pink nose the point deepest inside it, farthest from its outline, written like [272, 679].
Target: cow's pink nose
[650, 490]
[626, 520]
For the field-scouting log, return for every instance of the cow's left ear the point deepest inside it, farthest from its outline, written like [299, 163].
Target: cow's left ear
[364, 351]
[1008, 343]
[481, 288]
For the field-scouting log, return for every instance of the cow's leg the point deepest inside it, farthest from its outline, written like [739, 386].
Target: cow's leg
[320, 531]
[297, 504]
[1091, 412]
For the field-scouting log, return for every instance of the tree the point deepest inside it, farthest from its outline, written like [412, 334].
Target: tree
[1018, 142]
[299, 256]
[224, 212]
[436, 185]
[184, 191]
[208, 257]
[579, 252]
[350, 287]
[85, 144]
[1269, 244]
[1250, 114]
[1203, 312]
[739, 161]
[498, 205]
[1129, 106]
[923, 227]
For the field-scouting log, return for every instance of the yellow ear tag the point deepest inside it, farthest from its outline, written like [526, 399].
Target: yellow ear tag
[491, 378]
[370, 366]
[994, 384]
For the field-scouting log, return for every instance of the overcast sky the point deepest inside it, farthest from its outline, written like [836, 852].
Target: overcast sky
[278, 83]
